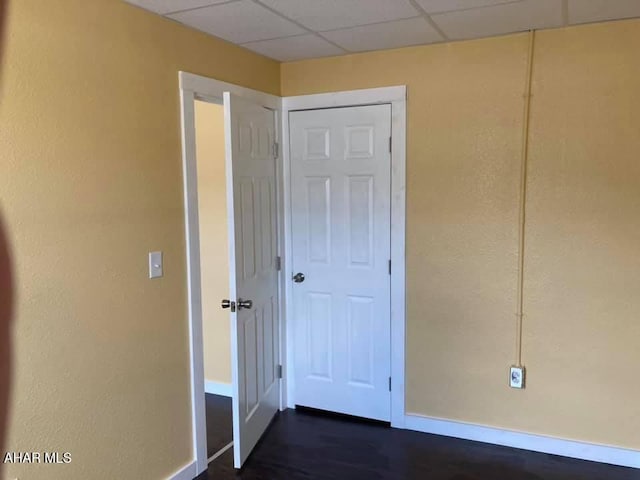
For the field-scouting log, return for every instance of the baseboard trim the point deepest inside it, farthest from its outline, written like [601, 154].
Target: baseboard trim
[526, 441]
[188, 472]
[217, 388]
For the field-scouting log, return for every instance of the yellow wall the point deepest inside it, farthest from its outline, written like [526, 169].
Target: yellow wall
[582, 274]
[214, 250]
[90, 182]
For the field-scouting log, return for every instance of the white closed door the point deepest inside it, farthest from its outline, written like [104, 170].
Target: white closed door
[251, 190]
[341, 212]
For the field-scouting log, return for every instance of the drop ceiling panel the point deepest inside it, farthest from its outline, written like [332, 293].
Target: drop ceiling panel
[500, 19]
[238, 22]
[583, 11]
[396, 34]
[266, 26]
[294, 48]
[321, 15]
[438, 6]
[170, 6]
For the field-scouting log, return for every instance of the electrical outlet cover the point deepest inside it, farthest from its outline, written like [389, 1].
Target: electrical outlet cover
[516, 377]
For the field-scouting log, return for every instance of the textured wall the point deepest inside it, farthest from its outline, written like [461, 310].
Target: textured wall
[90, 181]
[465, 103]
[214, 250]
[582, 335]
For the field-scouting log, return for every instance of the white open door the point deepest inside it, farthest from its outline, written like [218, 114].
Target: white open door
[251, 190]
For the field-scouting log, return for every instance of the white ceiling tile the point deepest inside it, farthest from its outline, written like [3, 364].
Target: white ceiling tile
[361, 25]
[401, 33]
[500, 19]
[294, 48]
[320, 15]
[583, 11]
[238, 22]
[438, 6]
[169, 6]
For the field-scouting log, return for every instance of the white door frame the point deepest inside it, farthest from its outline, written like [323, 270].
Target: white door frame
[396, 96]
[192, 88]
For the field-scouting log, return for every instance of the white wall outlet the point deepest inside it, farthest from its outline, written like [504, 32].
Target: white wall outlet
[516, 377]
[155, 264]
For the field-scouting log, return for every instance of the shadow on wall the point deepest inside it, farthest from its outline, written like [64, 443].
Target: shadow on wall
[6, 297]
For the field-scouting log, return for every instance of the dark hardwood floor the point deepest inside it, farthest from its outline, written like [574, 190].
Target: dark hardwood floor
[219, 422]
[307, 446]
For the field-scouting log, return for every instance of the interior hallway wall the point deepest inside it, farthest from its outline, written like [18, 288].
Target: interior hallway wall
[214, 249]
[582, 255]
[90, 182]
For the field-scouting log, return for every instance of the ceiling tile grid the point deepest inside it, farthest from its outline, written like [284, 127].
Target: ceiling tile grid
[289, 30]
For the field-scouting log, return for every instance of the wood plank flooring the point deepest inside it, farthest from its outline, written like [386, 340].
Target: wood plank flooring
[307, 446]
[219, 422]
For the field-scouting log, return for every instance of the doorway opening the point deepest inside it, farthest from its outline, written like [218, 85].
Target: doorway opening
[248, 179]
[214, 275]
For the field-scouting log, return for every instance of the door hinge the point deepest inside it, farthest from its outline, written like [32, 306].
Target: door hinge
[389, 267]
[278, 263]
[389, 383]
[276, 149]
[279, 371]
[390, 143]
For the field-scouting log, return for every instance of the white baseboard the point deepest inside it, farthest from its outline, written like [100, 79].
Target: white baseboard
[188, 472]
[525, 441]
[217, 388]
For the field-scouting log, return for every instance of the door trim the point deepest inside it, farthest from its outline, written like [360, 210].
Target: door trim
[397, 97]
[195, 87]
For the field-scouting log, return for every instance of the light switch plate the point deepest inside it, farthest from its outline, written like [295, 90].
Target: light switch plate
[155, 265]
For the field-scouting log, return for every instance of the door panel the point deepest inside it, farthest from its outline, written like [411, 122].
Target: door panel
[319, 219]
[360, 338]
[319, 336]
[251, 183]
[341, 210]
[360, 221]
